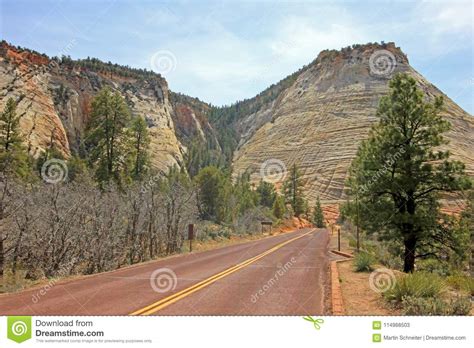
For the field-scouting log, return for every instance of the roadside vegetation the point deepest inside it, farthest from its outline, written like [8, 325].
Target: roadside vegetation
[396, 184]
[106, 207]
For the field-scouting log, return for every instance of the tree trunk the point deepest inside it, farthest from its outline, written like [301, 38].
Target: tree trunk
[409, 255]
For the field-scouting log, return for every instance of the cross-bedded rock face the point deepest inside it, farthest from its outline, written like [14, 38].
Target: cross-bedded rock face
[55, 102]
[320, 120]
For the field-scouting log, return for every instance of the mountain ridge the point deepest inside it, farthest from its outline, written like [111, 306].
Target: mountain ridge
[322, 110]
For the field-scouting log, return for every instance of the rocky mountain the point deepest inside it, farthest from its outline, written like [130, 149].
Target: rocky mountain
[54, 98]
[314, 118]
[319, 120]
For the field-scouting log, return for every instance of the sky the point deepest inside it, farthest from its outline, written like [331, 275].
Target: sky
[224, 51]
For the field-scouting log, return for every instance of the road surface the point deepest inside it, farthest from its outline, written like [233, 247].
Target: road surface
[281, 275]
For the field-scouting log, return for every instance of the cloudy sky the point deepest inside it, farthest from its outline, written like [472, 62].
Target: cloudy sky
[224, 51]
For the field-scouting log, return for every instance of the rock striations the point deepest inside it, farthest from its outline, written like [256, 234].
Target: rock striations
[318, 122]
[54, 100]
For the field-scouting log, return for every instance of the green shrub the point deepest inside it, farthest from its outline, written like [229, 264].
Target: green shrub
[423, 306]
[419, 284]
[363, 262]
[461, 306]
[435, 306]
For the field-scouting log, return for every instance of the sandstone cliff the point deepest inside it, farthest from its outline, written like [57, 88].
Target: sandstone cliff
[54, 99]
[320, 119]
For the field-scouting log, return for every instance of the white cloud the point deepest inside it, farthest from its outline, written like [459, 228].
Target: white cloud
[299, 37]
[447, 16]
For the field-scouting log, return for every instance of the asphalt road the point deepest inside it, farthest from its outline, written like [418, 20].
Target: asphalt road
[282, 275]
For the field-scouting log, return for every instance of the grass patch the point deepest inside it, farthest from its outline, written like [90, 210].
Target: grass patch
[363, 262]
[417, 285]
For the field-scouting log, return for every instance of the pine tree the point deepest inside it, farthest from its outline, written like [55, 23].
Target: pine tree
[399, 172]
[279, 207]
[140, 143]
[106, 137]
[13, 154]
[318, 216]
[246, 197]
[209, 181]
[13, 161]
[266, 192]
[293, 191]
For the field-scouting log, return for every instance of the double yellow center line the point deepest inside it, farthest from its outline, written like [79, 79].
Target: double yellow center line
[155, 307]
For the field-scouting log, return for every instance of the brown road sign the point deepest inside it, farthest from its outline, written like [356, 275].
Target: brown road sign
[191, 231]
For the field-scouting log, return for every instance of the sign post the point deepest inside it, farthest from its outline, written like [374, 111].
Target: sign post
[191, 236]
[339, 239]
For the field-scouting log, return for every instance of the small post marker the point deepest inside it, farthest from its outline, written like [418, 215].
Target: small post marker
[191, 236]
[339, 239]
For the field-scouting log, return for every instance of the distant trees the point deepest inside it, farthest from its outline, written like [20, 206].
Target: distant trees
[210, 181]
[318, 216]
[293, 191]
[202, 154]
[267, 193]
[400, 170]
[139, 148]
[279, 208]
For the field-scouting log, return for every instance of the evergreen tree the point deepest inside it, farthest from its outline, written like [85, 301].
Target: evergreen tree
[107, 137]
[13, 162]
[140, 143]
[318, 216]
[13, 154]
[399, 172]
[245, 196]
[209, 181]
[266, 192]
[293, 191]
[279, 207]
